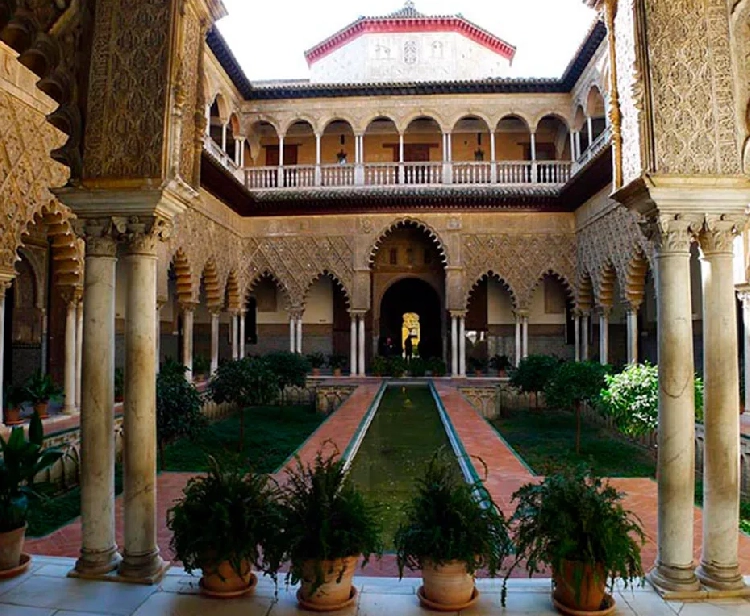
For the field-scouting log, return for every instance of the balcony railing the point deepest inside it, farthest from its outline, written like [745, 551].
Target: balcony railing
[408, 174]
[602, 141]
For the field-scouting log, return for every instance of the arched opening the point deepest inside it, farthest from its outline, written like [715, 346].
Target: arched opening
[407, 252]
[405, 303]
[233, 135]
[490, 322]
[326, 318]
[262, 168]
[299, 155]
[580, 132]
[471, 151]
[596, 110]
[513, 150]
[423, 152]
[337, 154]
[552, 147]
[550, 318]
[216, 123]
[380, 146]
[270, 304]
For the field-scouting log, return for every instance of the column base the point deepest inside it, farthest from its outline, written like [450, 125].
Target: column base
[70, 410]
[142, 568]
[91, 564]
[667, 579]
[721, 578]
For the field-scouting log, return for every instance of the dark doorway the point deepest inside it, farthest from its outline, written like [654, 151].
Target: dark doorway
[412, 295]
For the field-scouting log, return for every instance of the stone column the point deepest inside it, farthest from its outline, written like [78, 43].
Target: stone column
[743, 292]
[224, 137]
[604, 335]
[573, 146]
[518, 339]
[292, 333]
[462, 345]
[157, 328]
[233, 334]
[70, 353]
[79, 352]
[140, 560]
[590, 129]
[577, 326]
[721, 461]
[454, 346]
[298, 345]
[674, 569]
[585, 336]
[243, 336]
[361, 354]
[632, 318]
[4, 286]
[188, 317]
[214, 340]
[281, 161]
[98, 549]
[353, 344]
[534, 178]
[317, 160]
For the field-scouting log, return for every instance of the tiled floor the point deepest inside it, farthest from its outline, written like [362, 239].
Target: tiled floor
[45, 591]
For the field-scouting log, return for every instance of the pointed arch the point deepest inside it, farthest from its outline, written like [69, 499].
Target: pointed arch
[491, 275]
[408, 221]
[561, 278]
[267, 274]
[211, 284]
[333, 276]
[605, 294]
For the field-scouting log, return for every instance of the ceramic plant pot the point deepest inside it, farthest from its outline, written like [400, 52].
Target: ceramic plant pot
[586, 596]
[11, 548]
[42, 409]
[12, 416]
[336, 592]
[448, 585]
[223, 581]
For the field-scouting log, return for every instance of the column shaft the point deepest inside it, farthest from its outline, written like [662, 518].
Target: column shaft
[577, 326]
[298, 345]
[98, 548]
[214, 342]
[585, 337]
[70, 357]
[233, 333]
[462, 345]
[454, 347]
[243, 334]
[721, 462]
[518, 339]
[604, 338]
[292, 334]
[361, 342]
[525, 329]
[353, 345]
[141, 558]
[188, 316]
[79, 352]
[633, 336]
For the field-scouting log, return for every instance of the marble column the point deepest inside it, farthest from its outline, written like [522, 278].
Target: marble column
[214, 340]
[604, 335]
[298, 344]
[632, 320]
[462, 345]
[188, 316]
[79, 352]
[140, 559]
[70, 354]
[353, 344]
[157, 329]
[585, 336]
[233, 334]
[292, 333]
[243, 335]
[674, 569]
[4, 286]
[361, 354]
[721, 461]
[525, 335]
[743, 292]
[98, 548]
[577, 327]
[454, 346]
[518, 339]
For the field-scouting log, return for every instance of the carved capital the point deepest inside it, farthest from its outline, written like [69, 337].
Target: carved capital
[718, 233]
[188, 306]
[671, 233]
[743, 294]
[141, 234]
[99, 235]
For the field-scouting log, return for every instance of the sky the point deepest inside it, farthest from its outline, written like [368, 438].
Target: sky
[269, 38]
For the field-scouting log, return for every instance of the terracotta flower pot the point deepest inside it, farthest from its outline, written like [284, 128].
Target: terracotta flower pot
[336, 592]
[337, 372]
[316, 371]
[41, 409]
[223, 581]
[12, 416]
[448, 584]
[586, 597]
[11, 547]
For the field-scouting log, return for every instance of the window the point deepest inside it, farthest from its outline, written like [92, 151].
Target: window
[393, 256]
[410, 52]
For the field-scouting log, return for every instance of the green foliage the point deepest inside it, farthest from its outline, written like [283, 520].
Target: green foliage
[379, 365]
[417, 367]
[533, 373]
[337, 361]
[171, 366]
[575, 517]
[290, 369]
[226, 515]
[325, 517]
[178, 409]
[437, 366]
[631, 398]
[500, 362]
[15, 396]
[575, 382]
[41, 388]
[119, 383]
[317, 360]
[449, 519]
[22, 460]
[396, 366]
[244, 382]
[476, 364]
[201, 365]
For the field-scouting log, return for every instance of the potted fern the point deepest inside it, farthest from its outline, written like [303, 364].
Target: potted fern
[14, 399]
[452, 529]
[225, 524]
[39, 390]
[201, 367]
[337, 363]
[22, 460]
[327, 527]
[317, 361]
[577, 525]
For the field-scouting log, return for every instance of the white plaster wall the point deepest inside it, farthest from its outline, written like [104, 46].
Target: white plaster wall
[441, 56]
[500, 306]
[537, 314]
[319, 306]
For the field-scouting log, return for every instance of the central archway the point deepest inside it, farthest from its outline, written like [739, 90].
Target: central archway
[412, 296]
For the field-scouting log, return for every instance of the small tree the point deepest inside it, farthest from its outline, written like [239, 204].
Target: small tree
[245, 382]
[178, 409]
[290, 369]
[572, 384]
[533, 373]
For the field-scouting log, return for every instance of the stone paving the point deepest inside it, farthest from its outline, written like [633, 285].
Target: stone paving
[45, 591]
